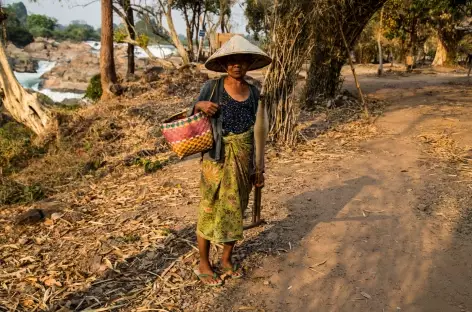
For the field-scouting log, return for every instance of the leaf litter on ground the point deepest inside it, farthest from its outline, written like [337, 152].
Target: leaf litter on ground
[110, 243]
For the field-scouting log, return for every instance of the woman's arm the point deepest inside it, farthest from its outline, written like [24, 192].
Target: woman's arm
[203, 104]
[203, 92]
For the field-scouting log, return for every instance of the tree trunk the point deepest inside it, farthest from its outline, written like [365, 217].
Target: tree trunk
[440, 57]
[173, 33]
[189, 35]
[211, 34]
[223, 8]
[201, 39]
[379, 43]
[324, 72]
[197, 21]
[132, 34]
[444, 56]
[328, 56]
[107, 62]
[22, 105]
[411, 59]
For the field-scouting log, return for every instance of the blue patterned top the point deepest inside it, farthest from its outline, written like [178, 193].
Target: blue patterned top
[238, 117]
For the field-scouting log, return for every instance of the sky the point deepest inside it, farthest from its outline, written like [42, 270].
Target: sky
[66, 11]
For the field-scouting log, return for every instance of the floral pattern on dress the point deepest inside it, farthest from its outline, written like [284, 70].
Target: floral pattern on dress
[225, 188]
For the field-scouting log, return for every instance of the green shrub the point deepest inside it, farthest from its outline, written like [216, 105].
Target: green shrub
[44, 99]
[152, 166]
[20, 36]
[94, 89]
[12, 192]
[149, 165]
[16, 147]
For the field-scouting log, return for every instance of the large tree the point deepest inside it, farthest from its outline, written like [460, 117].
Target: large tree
[412, 22]
[107, 62]
[25, 107]
[407, 21]
[329, 53]
[41, 25]
[451, 23]
[257, 18]
[225, 14]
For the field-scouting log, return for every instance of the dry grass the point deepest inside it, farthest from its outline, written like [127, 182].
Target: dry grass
[448, 198]
[344, 121]
[100, 139]
[443, 147]
[106, 216]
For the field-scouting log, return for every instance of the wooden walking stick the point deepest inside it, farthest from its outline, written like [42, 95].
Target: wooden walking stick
[261, 130]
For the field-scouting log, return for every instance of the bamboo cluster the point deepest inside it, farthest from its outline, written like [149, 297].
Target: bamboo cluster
[291, 42]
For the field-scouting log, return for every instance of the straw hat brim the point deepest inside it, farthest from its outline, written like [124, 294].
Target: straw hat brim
[256, 61]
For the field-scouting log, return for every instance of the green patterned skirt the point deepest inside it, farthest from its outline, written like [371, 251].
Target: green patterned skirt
[225, 188]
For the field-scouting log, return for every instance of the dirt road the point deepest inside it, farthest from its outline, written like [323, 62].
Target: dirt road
[376, 229]
[363, 218]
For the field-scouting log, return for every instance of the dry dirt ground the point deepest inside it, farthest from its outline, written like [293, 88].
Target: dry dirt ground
[377, 219]
[386, 228]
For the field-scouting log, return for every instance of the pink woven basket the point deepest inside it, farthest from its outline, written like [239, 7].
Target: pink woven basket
[188, 135]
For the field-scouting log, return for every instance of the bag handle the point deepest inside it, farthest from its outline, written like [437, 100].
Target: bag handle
[214, 88]
[212, 93]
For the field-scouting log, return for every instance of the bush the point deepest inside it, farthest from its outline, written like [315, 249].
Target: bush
[12, 192]
[41, 32]
[94, 89]
[19, 36]
[77, 32]
[16, 147]
[41, 22]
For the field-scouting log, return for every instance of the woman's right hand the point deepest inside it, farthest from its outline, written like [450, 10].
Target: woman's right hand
[207, 107]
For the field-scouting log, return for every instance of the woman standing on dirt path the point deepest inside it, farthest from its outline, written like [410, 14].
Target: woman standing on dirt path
[228, 168]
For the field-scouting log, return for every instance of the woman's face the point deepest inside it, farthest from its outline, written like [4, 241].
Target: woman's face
[237, 66]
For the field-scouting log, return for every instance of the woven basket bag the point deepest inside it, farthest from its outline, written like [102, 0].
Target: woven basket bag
[188, 135]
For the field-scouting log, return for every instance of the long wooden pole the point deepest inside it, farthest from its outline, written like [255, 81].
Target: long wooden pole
[358, 86]
[261, 130]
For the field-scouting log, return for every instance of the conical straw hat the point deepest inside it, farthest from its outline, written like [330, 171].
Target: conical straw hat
[238, 45]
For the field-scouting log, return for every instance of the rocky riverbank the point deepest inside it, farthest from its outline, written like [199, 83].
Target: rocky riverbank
[75, 63]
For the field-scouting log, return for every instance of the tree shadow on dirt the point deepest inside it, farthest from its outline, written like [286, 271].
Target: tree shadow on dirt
[305, 213]
[409, 260]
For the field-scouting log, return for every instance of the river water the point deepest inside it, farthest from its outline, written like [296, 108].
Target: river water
[33, 80]
[159, 51]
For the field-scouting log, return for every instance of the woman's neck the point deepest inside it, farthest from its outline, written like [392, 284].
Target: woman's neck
[235, 82]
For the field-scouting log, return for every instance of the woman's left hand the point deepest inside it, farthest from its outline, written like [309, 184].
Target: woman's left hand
[259, 180]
